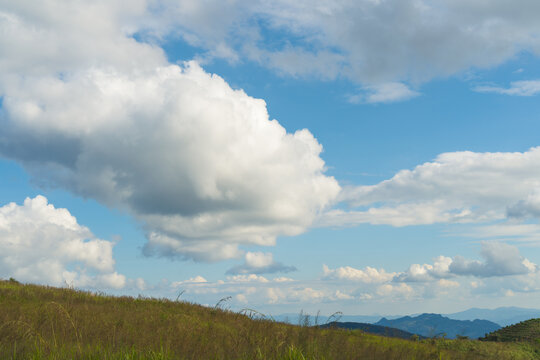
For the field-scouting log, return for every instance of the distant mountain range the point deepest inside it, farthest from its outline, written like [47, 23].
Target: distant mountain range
[432, 325]
[322, 319]
[503, 316]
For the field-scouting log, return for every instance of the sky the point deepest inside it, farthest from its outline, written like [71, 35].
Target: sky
[368, 157]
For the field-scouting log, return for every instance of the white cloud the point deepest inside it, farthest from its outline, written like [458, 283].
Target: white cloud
[394, 42]
[500, 260]
[260, 263]
[501, 269]
[273, 295]
[258, 259]
[247, 278]
[338, 295]
[241, 298]
[507, 230]
[200, 165]
[45, 245]
[426, 272]
[306, 294]
[445, 283]
[110, 281]
[529, 207]
[47, 37]
[140, 284]
[455, 187]
[384, 93]
[256, 290]
[298, 63]
[368, 275]
[517, 88]
[194, 280]
[395, 292]
[404, 214]
[367, 41]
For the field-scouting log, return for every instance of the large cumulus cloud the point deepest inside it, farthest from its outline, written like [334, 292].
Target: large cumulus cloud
[200, 164]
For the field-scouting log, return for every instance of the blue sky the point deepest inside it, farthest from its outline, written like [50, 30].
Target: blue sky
[400, 174]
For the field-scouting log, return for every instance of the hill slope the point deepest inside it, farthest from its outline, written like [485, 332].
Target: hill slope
[39, 322]
[431, 325]
[528, 330]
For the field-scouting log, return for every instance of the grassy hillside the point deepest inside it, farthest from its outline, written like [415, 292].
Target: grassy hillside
[528, 330]
[48, 323]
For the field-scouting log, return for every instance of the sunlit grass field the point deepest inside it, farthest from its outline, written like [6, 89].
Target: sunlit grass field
[38, 322]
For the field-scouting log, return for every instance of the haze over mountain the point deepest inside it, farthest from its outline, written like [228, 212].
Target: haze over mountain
[503, 316]
[293, 318]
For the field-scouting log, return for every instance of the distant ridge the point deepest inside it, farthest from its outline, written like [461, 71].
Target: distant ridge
[503, 316]
[434, 325]
[372, 329]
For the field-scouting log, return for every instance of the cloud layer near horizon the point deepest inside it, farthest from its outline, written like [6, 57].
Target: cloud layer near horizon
[502, 271]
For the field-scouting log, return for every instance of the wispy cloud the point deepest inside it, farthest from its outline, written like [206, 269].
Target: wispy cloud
[260, 263]
[517, 88]
[384, 93]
